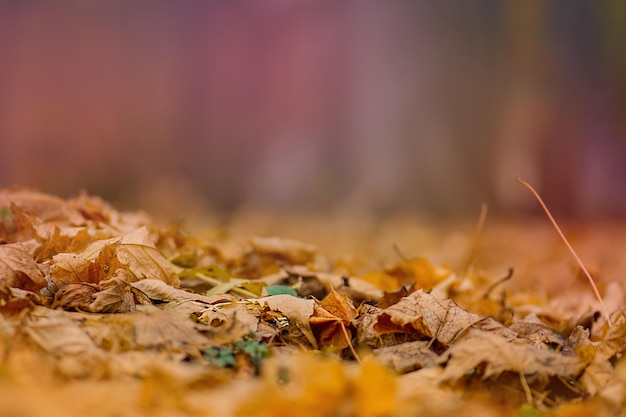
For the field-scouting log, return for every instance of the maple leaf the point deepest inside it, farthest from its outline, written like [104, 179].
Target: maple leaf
[114, 295]
[47, 208]
[408, 356]
[18, 269]
[330, 319]
[134, 252]
[19, 226]
[499, 355]
[427, 316]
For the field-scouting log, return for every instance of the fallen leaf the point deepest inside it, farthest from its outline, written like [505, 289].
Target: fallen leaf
[532, 328]
[418, 272]
[289, 250]
[47, 208]
[114, 295]
[297, 310]
[228, 323]
[499, 355]
[428, 317]
[160, 291]
[18, 269]
[407, 357]
[330, 318]
[134, 252]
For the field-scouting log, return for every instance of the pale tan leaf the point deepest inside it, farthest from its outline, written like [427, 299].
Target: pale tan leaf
[228, 323]
[298, 310]
[144, 260]
[159, 290]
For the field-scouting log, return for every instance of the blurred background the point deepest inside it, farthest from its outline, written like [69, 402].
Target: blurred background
[299, 105]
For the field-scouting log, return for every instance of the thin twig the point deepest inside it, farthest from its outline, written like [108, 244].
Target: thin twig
[605, 312]
[493, 285]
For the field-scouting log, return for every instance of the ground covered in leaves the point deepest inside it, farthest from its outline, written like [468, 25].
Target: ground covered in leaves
[105, 313]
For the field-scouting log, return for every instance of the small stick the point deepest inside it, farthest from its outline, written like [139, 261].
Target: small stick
[571, 249]
[493, 285]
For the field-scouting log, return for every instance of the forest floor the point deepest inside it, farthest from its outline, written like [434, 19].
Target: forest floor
[108, 313]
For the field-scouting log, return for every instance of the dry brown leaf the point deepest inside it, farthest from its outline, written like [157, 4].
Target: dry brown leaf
[67, 239]
[367, 336]
[160, 291]
[292, 251]
[75, 354]
[532, 328]
[22, 226]
[427, 316]
[143, 259]
[169, 330]
[330, 318]
[114, 295]
[96, 263]
[418, 272]
[500, 355]
[407, 357]
[134, 252]
[18, 269]
[228, 323]
[298, 310]
[47, 208]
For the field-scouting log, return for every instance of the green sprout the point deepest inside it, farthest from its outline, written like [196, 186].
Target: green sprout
[224, 357]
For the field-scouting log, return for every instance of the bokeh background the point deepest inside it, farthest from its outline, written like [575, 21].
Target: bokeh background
[318, 105]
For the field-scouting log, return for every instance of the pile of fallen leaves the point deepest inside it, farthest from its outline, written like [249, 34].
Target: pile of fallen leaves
[104, 313]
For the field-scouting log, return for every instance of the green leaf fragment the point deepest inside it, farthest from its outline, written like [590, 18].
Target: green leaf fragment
[222, 357]
[6, 215]
[528, 410]
[280, 289]
[225, 357]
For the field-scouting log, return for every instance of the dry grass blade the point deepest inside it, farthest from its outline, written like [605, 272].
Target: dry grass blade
[571, 249]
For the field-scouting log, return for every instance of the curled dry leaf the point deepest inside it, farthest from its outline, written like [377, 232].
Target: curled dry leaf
[18, 269]
[143, 259]
[330, 318]
[160, 291]
[134, 252]
[298, 310]
[19, 226]
[47, 208]
[114, 295]
[228, 323]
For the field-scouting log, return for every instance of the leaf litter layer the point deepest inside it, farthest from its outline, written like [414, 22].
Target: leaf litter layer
[107, 313]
